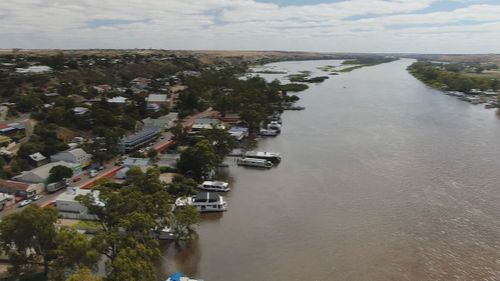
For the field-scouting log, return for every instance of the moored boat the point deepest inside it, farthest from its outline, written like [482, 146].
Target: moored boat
[268, 132]
[218, 186]
[275, 158]
[204, 202]
[255, 162]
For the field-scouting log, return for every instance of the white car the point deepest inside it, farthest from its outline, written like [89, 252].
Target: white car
[25, 203]
[37, 197]
[93, 173]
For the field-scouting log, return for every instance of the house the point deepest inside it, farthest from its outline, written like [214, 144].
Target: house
[103, 88]
[21, 189]
[118, 100]
[140, 82]
[5, 141]
[122, 173]
[67, 203]
[159, 99]
[139, 162]
[75, 156]
[41, 174]
[153, 107]
[12, 128]
[163, 122]
[207, 124]
[238, 132]
[6, 200]
[139, 139]
[37, 159]
[80, 111]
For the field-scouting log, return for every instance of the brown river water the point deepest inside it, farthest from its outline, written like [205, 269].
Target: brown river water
[382, 178]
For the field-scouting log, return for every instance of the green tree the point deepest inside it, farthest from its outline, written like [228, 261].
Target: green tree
[59, 172]
[221, 140]
[152, 153]
[199, 160]
[29, 237]
[133, 264]
[84, 274]
[184, 220]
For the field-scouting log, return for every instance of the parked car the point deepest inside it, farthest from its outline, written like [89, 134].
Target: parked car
[25, 203]
[77, 179]
[93, 173]
[100, 168]
[37, 197]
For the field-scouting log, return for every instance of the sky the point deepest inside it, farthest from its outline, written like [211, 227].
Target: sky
[388, 26]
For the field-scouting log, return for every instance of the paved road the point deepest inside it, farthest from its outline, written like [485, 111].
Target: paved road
[109, 170]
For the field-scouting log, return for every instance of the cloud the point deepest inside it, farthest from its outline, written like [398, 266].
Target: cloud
[349, 25]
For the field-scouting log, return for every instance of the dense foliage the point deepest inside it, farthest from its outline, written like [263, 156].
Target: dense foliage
[443, 78]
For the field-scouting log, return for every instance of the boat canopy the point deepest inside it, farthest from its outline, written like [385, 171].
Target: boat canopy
[176, 276]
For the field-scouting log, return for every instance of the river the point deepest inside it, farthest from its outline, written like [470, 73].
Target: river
[382, 178]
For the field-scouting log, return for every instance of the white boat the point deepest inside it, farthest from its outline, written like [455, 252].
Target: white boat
[179, 276]
[270, 156]
[273, 125]
[254, 162]
[218, 186]
[166, 234]
[204, 202]
[268, 132]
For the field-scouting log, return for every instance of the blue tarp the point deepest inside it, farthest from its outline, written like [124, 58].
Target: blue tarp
[176, 276]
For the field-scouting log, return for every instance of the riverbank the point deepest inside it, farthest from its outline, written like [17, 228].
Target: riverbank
[475, 90]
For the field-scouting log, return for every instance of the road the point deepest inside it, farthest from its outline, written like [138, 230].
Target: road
[110, 167]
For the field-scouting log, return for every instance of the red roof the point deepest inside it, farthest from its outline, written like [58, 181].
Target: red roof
[16, 185]
[4, 126]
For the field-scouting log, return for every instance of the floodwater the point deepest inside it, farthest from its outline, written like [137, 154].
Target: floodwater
[382, 178]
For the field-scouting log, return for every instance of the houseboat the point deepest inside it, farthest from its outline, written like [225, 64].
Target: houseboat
[270, 156]
[255, 162]
[204, 202]
[273, 125]
[268, 132]
[218, 186]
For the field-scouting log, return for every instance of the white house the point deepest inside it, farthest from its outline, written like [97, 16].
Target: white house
[41, 174]
[77, 156]
[66, 202]
[159, 99]
[118, 100]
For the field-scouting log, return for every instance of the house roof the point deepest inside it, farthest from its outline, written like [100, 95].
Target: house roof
[16, 185]
[157, 98]
[44, 171]
[118, 99]
[131, 161]
[37, 157]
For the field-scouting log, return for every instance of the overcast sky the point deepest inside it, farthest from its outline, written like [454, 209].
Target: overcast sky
[420, 26]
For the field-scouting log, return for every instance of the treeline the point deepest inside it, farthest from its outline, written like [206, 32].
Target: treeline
[129, 217]
[223, 89]
[445, 79]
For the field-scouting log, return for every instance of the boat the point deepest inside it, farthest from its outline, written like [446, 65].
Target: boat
[204, 202]
[268, 132]
[255, 162]
[208, 202]
[274, 125]
[275, 158]
[293, 107]
[219, 186]
[166, 234]
[179, 276]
